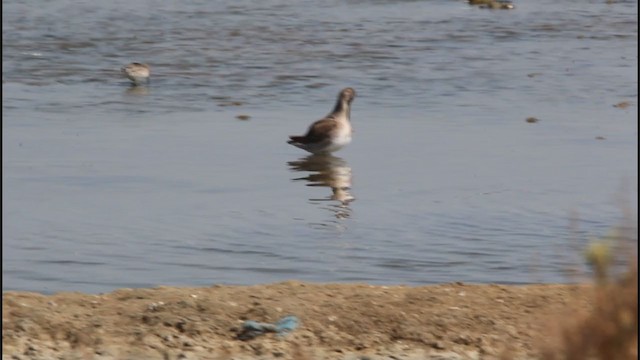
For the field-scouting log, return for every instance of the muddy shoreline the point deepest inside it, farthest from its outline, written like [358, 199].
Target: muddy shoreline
[337, 321]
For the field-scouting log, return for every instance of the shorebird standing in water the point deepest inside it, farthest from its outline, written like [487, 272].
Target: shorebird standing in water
[331, 133]
[136, 72]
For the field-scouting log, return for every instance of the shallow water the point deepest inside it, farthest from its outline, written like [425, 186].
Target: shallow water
[108, 186]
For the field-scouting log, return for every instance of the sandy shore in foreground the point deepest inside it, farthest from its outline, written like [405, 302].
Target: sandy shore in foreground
[337, 321]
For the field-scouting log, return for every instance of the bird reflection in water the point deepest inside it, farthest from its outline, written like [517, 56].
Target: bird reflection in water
[328, 171]
[137, 90]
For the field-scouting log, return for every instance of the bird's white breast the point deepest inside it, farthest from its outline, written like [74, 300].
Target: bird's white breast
[342, 136]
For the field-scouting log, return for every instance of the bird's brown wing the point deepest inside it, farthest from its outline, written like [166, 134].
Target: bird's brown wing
[319, 131]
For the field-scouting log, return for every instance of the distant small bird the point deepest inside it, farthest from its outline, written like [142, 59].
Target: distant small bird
[331, 133]
[136, 72]
[492, 4]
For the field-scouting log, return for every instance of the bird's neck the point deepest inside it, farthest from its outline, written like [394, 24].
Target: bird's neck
[342, 110]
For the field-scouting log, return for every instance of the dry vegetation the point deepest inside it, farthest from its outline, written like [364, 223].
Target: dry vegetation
[610, 329]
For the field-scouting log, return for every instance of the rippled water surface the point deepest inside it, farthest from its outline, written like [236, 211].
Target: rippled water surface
[107, 185]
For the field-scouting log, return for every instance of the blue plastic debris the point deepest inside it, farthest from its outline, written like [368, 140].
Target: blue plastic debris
[252, 329]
